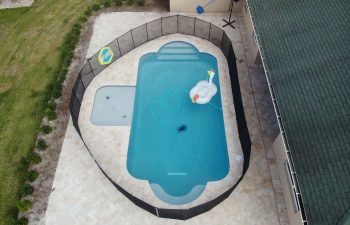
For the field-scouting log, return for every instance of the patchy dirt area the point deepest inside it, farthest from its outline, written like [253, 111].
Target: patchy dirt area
[6, 4]
[50, 157]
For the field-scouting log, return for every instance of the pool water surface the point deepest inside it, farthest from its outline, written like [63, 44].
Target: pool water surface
[177, 146]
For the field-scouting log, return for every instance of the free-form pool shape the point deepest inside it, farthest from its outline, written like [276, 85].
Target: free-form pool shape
[176, 145]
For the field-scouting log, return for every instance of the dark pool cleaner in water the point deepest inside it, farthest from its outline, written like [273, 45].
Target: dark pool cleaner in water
[181, 128]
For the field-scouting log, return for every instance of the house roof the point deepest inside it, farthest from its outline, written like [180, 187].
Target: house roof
[306, 47]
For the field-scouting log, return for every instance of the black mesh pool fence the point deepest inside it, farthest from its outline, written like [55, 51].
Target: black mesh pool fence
[139, 36]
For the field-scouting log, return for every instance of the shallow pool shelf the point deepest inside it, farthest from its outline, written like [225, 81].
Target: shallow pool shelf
[113, 106]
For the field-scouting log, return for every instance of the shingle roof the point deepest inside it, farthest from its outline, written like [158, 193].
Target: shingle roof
[307, 52]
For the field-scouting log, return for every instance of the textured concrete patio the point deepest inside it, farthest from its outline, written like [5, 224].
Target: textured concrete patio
[82, 195]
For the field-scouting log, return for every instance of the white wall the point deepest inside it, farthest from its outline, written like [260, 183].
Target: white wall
[254, 50]
[294, 216]
[215, 6]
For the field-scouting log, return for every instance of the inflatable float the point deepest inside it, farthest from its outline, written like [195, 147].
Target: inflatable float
[200, 9]
[204, 90]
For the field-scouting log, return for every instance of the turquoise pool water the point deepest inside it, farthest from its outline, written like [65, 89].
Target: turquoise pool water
[177, 146]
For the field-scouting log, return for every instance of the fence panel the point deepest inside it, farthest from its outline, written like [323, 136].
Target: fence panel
[154, 29]
[202, 29]
[215, 35]
[243, 131]
[74, 108]
[169, 25]
[144, 205]
[87, 77]
[197, 210]
[226, 45]
[86, 69]
[185, 25]
[75, 86]
[97, 60]
[139, 35]
[115, 49]
[95, 64]
[213, 203]
[126, 43]
[79, 89]
[179, 214]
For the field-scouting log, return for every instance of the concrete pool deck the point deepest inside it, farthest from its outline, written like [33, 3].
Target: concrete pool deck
[82, 195]
[109, 144]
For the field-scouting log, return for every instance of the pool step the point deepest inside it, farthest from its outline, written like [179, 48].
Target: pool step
[176, 56]
[177, 174]
[178, 51]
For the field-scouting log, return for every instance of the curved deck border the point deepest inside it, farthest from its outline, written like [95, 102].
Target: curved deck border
[139, 36]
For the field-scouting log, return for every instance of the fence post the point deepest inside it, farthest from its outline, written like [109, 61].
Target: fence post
[147, 32]
[194, 26]
[209, 31]
[222, 38]
[132, 37]
[177, 23]
[91, 67]
[121, 54]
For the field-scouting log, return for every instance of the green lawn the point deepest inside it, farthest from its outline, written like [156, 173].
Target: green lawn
[30, 40]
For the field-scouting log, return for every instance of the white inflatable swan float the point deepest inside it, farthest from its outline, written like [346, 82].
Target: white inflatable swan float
[204, 90]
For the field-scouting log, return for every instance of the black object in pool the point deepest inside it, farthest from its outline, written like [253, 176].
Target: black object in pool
[181, 128]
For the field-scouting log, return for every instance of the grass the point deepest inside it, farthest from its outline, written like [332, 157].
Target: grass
[41, 145]
[107, 3]
[118, 2]
[26, 189]
[45, 129]
[22, 221]
[140, 2]
[24, 205]
[130, 2]
[31, 43]
[31, 175]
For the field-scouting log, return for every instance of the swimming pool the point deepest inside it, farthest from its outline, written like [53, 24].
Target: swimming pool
[177, 146]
